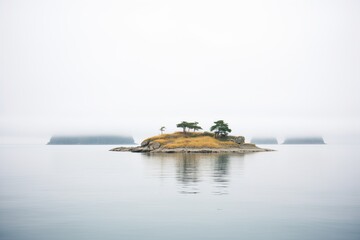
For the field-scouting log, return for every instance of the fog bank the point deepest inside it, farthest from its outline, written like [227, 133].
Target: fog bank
[268, 68]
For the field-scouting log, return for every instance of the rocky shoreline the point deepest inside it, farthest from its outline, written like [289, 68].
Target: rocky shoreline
[155, 147]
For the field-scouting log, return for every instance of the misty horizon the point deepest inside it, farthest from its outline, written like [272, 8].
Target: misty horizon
[268, 68]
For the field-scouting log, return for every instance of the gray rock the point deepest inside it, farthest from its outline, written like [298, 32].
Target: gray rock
[154, 145]
[239, 139]
[145, 143]
[122, 149]
[140, 149]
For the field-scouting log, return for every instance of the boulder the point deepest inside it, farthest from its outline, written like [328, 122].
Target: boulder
[121, 149]
[237, 139]
[145, 143]
[140, 149]
[154, 145]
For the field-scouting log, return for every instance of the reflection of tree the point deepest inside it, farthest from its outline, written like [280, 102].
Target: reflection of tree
[220, 175]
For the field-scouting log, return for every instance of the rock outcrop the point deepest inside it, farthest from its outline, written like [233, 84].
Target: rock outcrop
[237, 139]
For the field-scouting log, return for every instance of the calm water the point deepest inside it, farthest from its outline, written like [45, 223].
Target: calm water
[87, 192]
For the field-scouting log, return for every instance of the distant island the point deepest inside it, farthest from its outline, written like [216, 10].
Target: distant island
[264, 140]
[90, 140]
[304, 140]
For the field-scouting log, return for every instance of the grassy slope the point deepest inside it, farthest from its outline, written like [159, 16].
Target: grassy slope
[191, 140]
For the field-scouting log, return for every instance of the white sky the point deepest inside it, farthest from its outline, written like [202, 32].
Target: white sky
[266, 67]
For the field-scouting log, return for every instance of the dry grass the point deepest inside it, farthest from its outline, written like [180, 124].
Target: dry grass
[191, 140]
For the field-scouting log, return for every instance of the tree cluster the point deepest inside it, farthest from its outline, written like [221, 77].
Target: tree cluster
[189, 126]
[220, 128]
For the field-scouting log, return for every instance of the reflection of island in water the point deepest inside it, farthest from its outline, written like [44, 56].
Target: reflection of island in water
[197, 171]
[221, 171]
[187, 172]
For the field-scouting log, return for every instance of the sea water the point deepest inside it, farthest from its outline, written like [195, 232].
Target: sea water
[87, 192]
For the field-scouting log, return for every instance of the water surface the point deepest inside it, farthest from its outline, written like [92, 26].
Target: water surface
[87, 192]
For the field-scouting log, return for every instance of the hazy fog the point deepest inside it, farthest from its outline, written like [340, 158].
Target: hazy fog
[272, 68]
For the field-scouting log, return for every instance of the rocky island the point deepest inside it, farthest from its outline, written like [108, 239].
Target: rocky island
[193, 142]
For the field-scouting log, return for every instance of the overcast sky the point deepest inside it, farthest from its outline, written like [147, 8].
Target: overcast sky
[266, 67]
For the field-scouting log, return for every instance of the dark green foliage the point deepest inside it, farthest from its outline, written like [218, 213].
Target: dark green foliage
[195, 126]
[220, 128]
[183, 125]
[189, 125]
[209, 134]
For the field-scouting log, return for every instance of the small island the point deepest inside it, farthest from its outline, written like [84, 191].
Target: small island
[186, 141]
[264, 140]
[304, 140]
[91, 140]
